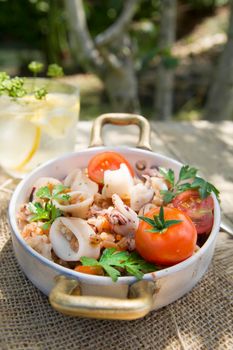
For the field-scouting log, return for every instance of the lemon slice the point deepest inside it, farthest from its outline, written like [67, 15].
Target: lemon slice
[19, 141]
[58, 114]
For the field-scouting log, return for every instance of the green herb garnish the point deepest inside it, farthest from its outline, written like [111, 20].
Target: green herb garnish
[55, 71]
[40, 93]
[158, 223]
[113, 262]
[56, 193]
[205, 188]
[47, 213]
[35, 67]
[13, 87]
[186, 173]
[4, 76]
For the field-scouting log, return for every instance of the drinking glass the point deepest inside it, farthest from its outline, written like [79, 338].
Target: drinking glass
[32, 130]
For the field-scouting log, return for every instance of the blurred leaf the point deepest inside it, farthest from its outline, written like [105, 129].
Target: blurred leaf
[170, 62]
[54, 71]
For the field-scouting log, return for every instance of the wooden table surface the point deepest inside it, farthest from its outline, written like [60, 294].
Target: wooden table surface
[207, 146]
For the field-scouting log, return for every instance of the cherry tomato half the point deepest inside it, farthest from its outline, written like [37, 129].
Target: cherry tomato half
[106, 161]
[199, 210]
[172, 246]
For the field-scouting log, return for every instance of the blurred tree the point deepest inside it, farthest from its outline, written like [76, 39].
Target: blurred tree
[138, 48]
[220, 100]
[109, 54]
[165, 70]
[55, 27]
[36, 24]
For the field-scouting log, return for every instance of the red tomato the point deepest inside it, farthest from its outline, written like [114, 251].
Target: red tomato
[106, 161]
[199, 210]
[176, 244]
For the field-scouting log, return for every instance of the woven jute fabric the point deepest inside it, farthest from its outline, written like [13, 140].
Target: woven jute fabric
[203, 319]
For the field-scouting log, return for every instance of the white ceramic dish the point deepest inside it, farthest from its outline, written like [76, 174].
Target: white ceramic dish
[86, 295]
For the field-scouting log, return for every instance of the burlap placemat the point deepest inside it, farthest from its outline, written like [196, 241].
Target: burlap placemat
[200, 320]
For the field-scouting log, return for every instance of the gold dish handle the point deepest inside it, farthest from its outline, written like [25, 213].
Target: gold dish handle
[65, 297]
[121, 119]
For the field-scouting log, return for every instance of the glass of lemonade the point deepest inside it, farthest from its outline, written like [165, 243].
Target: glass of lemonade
[33, 131]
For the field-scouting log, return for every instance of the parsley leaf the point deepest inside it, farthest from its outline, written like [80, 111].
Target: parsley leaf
[44, 192]
[137, 266]
[110, 256]
[205, 188]
[186, 173]
[111, 271]
[111, 260]
[167, 196]
[56, 193]
[47, 213]
[39, 212]
[183, 187]
[168, 175]
[54, 211]
[89, 261]
[108, 259]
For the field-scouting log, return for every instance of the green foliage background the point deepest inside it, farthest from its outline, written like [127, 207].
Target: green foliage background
[42, 25]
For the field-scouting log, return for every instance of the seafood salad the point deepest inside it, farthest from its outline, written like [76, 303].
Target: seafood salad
[117, 219]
